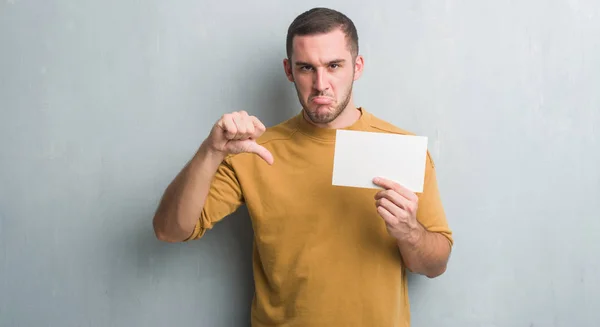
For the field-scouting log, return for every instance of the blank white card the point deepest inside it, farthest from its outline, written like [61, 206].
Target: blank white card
[361, 156]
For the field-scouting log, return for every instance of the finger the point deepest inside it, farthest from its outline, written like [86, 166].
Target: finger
[249, 123]
[245, 125]
[228, 126]
[259, 127]
[384, 182]
[392, 208]
[240, 125]
[407, 193]
[261, 151]
[396, 199]
[387, 216]
[388, 184]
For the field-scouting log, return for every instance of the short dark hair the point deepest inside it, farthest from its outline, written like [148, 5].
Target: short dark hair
[322, 20]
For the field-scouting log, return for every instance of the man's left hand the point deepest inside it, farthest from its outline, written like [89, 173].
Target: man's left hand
[398, 206]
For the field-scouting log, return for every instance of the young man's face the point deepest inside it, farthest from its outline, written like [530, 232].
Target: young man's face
[323, 72]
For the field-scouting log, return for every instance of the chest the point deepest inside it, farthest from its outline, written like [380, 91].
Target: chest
[300, 200]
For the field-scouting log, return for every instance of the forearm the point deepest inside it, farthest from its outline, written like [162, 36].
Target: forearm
[426, 253]
[183, 200]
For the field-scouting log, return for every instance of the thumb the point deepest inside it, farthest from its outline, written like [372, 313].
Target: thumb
[261, 151]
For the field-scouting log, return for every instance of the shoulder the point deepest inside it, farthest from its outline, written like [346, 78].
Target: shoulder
[274, 136]
[379, 125]
[279, 132]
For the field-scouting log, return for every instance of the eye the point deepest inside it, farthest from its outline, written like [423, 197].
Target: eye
[334, 66]
[306, 68]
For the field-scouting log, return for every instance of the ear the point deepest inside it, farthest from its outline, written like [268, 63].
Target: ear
[359, 65]
[287, 67]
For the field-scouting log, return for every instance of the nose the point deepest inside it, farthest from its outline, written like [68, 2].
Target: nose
[320, 80]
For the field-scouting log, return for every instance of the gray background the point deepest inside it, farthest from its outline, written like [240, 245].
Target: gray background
[102, 102]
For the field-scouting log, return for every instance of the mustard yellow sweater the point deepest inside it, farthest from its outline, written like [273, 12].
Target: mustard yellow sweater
[321, 254]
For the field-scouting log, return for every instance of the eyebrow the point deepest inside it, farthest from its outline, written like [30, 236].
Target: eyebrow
[335, 61]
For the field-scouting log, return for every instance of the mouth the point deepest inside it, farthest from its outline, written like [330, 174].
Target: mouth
[322, 100]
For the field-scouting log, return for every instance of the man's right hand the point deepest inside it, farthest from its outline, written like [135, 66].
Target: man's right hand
[237, 132]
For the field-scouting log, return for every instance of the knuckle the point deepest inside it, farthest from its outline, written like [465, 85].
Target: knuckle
[393, 221]
[415, 207]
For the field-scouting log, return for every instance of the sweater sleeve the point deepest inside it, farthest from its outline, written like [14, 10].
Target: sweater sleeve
[224, 197]
[430, 212]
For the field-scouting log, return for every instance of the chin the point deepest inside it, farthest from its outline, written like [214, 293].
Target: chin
[323, 116]
[323, 107]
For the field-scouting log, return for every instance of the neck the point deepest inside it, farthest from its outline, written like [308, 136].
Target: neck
[351, 118]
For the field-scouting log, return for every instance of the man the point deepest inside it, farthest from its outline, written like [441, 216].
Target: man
[324, 255]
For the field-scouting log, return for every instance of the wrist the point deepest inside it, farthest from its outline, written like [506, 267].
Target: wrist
[207, 160]
[415, 237]
[209, 152]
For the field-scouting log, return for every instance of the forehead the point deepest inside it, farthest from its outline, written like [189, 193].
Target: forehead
[321, 47]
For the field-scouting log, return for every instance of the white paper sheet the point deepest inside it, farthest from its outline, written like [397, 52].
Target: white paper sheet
[362, 156]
